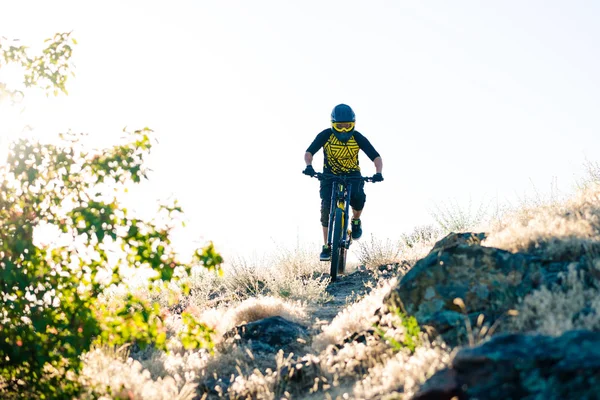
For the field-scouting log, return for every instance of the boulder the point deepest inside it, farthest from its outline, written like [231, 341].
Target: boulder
[269, 335]
[515, 366]
[488, 280]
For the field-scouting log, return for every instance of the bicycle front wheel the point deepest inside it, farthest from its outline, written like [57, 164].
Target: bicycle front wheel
[336, 246]
[342, 260]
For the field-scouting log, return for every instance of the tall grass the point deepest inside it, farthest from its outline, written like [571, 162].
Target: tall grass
[290, 284]
[375, 252]
[591, 176]
[348, 357]
[112, 374]
[557, 230]
[453, 217]
[553, 311]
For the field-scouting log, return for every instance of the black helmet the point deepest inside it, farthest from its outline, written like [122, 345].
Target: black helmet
[342, 113]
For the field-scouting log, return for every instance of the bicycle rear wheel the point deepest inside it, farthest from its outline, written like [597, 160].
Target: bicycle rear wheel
[336, 247]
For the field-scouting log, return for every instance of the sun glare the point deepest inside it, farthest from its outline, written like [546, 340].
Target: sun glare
[11, 86]
[11, 80]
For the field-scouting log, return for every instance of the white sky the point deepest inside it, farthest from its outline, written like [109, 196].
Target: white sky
[464, 100]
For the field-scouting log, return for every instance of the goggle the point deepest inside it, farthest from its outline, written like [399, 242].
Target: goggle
[343, 126]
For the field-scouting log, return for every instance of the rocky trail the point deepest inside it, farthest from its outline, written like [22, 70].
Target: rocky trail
[346, 289]
[509, 363]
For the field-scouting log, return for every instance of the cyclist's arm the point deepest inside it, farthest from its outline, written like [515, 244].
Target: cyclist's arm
[366, 146]
[316, 145]
[369, 150]
[378, 164]
[308, 158]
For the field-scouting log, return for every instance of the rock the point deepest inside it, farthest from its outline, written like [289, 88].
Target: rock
[269, 335]
[213, 386]
[488, 280]
[299, 375]
[511, 366]
[357, 337]
[454, 239]
[441, 386]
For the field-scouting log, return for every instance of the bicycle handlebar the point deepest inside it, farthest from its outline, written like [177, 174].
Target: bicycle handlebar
[322, 176]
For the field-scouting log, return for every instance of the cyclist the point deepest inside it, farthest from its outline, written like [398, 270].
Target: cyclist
[341, 145]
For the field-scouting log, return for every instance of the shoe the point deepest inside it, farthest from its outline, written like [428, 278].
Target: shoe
[326, 253]
[356, 229]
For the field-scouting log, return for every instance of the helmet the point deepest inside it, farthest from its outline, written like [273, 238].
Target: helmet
[342, 122]
[342, 113]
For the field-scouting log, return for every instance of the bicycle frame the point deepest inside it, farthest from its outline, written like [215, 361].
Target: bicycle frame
[340, 198]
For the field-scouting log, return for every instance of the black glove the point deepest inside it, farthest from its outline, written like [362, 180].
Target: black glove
[377, 177]
[309, 170]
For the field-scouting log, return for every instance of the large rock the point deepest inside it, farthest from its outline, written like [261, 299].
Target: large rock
[270, 335]
[488, 280]
[516, 366]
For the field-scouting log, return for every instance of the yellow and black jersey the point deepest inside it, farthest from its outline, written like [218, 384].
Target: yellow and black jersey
[341, 157]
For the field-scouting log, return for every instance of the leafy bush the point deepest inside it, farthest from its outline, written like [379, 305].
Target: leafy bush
[49, 70]
[50, 313]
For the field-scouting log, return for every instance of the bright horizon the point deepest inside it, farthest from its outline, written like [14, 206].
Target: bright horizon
[462, 101]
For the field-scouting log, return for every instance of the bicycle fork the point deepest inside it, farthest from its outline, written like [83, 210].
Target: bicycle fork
[342, 200]
[334, 196]
[346, 231]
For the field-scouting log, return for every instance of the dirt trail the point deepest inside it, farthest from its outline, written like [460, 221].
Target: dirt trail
[344, 291]
[357, 283]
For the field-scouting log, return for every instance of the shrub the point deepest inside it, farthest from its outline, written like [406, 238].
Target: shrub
[452, 217]
[50, 313]
[427, 234]
[376, 252]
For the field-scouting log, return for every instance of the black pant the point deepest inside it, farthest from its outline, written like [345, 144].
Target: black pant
[357, 198]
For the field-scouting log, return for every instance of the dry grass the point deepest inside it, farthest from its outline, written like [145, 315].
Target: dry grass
[366, 368]
[358, 370]
[592, 175]
[402, 373]
[281, 284]
[376, 252]
[109, 374]
[452, 217]
[354, 318]
[226, 317]
[560, 309]
[561, 230]
[295, 274]
[419, 243]
[290, 282]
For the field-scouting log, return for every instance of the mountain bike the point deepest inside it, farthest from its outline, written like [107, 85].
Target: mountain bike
[339, 236]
